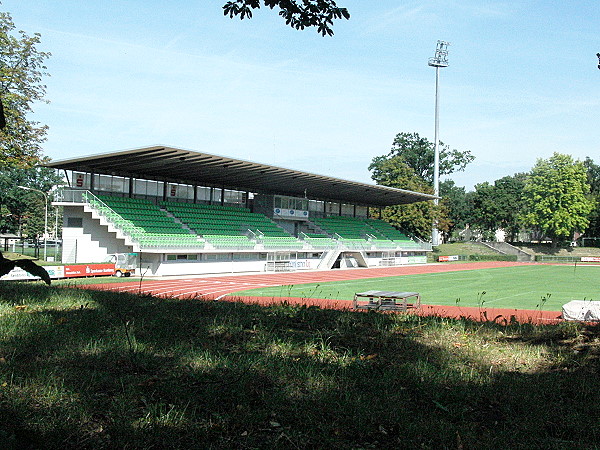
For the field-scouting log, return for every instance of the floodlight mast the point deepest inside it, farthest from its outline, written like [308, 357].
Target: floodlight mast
[439, 60]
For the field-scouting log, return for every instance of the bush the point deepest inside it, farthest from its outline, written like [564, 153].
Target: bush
[492, 257]
[485, 257]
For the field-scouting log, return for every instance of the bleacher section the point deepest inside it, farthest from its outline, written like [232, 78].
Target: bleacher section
[354, 233]
[318, 241]
[231, 226]
[393, 234]
[145, 222]
[362, 233]
[186, 225]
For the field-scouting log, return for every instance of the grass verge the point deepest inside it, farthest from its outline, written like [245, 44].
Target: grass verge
[90, 369]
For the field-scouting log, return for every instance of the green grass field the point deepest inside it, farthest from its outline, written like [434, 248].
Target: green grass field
[521, 287]
[87, 369]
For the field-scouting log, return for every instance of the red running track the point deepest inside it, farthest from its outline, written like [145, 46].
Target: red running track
[221, 288]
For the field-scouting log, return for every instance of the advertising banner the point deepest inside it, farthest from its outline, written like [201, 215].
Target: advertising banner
[19, 274]
[448, 258]
[79, 270]
[296, 214]
[590, 259]
[88, 270]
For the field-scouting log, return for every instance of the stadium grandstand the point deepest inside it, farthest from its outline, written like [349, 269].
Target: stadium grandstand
[185, 212]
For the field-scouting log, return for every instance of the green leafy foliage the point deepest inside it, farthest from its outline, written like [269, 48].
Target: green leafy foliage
[419, 154]
[409, 165]
[22, 210]
[21, 71]
[593, 174]
[497, 205]
[414, 218]
[297, 14]
[555, 197]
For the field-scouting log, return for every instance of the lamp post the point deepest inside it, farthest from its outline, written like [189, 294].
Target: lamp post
[439, 60]
[45, 215]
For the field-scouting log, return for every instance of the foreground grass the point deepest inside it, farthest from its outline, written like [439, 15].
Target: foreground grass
[545, 287]
[88, 369]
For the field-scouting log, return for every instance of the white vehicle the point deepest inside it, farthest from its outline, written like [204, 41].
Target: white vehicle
[125, 263]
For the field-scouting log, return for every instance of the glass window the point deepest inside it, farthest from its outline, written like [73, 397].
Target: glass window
[154, 188]
[140, 187]
[332, 208]
[74, 222]
[203, 194]
[235, 197]
[315, 205]
[361, 211]
[347, 209]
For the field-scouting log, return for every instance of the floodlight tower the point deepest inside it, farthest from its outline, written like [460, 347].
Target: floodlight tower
[439, 60]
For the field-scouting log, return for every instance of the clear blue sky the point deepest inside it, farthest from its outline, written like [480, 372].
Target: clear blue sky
[522, 81]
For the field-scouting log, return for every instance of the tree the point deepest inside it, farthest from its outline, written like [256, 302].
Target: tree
[297, 14]
[413, 218]
[419, 154]
[555, 197]
[509, 200]
[458, 206]
[409, 165]
[484, 212]
[21, 71]
[497, 206]
[593, 174]
[22, 210]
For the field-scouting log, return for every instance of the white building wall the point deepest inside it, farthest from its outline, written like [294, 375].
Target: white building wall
[91, 242]
[153, 265]
[202, 267]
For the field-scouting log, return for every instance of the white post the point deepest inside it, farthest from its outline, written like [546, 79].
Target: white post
[436, 161]
[439, 60]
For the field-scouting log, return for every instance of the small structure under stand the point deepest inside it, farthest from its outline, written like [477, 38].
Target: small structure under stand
[387, 300]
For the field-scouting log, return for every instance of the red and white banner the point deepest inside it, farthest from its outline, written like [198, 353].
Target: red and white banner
[448, 258]
[89, 270]
[590, 259]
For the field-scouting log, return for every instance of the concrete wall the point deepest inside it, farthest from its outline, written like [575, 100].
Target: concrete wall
[89, 243]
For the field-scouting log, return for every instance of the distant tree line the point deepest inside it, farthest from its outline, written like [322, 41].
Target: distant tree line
[558, 200]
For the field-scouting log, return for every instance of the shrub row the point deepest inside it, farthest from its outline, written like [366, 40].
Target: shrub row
[486, 257]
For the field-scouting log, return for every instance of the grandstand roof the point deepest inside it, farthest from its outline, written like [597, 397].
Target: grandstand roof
[188, 167]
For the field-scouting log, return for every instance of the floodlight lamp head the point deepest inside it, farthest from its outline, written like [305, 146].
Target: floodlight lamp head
[441, 55]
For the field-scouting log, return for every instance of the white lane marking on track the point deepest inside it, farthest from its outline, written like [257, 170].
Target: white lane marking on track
[211, 290]
[204, 288]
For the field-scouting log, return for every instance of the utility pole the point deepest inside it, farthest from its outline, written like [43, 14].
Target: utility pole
[439, 60]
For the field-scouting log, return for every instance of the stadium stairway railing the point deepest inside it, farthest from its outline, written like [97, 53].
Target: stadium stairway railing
[133, 234]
